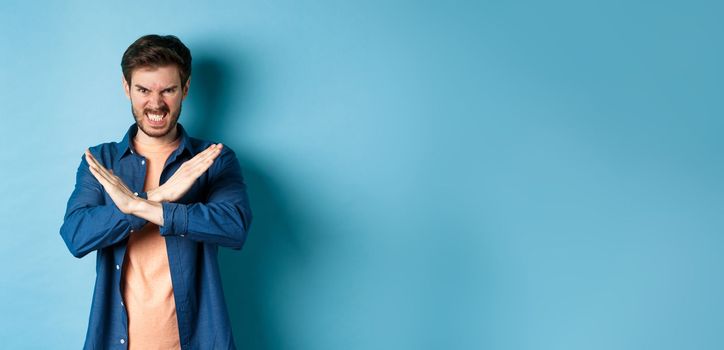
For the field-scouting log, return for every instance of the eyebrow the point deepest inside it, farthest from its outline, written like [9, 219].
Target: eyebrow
[167, 88]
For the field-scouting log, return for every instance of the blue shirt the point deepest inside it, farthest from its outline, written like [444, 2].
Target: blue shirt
[214, 212]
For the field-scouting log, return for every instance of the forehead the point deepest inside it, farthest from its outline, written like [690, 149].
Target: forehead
[156, 77]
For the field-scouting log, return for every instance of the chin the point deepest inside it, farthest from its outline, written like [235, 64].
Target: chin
[156, 131]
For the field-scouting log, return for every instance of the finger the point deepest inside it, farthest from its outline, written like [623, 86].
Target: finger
[196, 166]
[211, 150]
[101, 169]
[202, 167]
[103, 181]
[200, 157]
[213, 153]
[207, 161]
[116, 178]
[209, 154]
[89, 158]
[101, 176]
[208, 150]
[93, 171]
[92, 161]
[217, 151]
[203, 155]
[110, 184]
[105, 176]
[193, 161]
[193, 170]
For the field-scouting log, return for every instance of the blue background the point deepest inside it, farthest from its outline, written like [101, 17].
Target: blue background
[424, 175]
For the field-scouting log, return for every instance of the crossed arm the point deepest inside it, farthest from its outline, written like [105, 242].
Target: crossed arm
[222, 217]
[151, 209]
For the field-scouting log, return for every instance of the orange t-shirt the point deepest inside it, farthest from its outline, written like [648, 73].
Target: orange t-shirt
[147, 289]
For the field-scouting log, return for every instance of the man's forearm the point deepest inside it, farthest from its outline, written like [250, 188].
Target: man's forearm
[149, 210]
[156, 195]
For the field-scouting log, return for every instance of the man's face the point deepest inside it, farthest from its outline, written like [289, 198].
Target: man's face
[156, 95]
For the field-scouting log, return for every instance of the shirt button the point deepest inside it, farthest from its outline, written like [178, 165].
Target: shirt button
[118, 267]
[135, 193]
[123, 341]
[143, 162]
[181, 235]
[131, 230]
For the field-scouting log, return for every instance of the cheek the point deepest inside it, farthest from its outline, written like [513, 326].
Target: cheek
[137, 100]
[173, 101]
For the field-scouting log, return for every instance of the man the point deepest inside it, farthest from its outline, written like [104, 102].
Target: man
[155, 207]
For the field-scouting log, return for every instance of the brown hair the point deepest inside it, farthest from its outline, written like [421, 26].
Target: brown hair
[157, 51]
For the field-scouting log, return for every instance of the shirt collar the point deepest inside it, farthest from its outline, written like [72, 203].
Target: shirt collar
[126, 146]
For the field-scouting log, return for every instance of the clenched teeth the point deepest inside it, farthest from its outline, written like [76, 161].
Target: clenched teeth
[155, 117]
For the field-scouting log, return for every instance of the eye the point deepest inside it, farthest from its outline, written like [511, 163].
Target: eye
[170, 91]
[142, 90]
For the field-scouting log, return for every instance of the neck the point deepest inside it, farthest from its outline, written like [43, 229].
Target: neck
[143, 138]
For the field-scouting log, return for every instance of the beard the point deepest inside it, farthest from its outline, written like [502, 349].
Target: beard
[172, 120]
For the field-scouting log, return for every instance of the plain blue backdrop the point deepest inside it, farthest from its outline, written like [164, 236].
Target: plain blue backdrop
[424, 174]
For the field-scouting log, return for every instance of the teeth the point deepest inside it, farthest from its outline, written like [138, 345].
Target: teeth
[155, 117]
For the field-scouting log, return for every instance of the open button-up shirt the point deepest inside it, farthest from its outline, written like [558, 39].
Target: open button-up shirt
[214, 212]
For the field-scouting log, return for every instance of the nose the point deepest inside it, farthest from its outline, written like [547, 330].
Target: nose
[155, 101]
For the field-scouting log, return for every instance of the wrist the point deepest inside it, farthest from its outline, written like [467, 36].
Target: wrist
[148, 210]
[136, 205]
[154, 196]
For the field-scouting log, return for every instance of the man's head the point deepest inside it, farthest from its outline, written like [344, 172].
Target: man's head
[156, 78]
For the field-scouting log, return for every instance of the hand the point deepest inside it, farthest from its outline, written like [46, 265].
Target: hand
[182, 180]
[121, 195]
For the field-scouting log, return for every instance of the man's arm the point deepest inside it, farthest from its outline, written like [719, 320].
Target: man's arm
[150, 208]
[90, 223]
[224, 218]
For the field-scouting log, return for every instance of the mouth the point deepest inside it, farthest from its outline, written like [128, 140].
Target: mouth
[156, 118]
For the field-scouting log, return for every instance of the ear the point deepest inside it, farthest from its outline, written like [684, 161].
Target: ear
[126, 88]
[186, 86]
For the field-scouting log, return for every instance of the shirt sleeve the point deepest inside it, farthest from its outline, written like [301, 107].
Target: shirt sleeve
[224, 218]
[90, 223]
